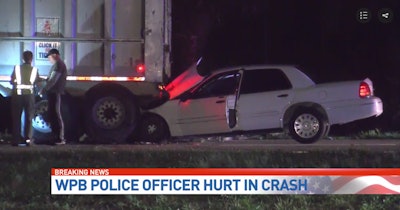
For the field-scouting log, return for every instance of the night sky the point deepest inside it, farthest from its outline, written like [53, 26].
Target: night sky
[323, 38]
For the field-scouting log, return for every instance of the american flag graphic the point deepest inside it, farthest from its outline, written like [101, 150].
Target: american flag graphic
[353, 185]
[366, 185]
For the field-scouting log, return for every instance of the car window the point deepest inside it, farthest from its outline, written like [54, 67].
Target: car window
[264, 80]
[220, 85]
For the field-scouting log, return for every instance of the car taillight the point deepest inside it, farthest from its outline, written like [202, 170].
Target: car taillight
[364, 90]
[140, 68]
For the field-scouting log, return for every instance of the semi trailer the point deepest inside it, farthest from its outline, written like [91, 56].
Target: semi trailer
[117, 53]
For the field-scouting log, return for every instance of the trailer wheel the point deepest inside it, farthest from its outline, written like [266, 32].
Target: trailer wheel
[40, 124]
[153, 128]
[307, 126]
[111, 116]
[70, 111]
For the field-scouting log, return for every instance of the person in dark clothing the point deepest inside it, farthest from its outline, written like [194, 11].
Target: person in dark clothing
[23, 79]
[54, 88]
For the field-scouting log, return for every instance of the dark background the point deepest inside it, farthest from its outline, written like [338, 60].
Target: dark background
[322, 37]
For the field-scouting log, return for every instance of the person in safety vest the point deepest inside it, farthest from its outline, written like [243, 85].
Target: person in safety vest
[54, 88]
[23, 79]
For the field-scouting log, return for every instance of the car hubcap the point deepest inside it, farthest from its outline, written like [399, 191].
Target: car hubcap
[151, 129]
[38, 122]
[109, 113]
[306, 126]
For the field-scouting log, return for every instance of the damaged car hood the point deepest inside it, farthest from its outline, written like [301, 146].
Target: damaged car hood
[184, 82]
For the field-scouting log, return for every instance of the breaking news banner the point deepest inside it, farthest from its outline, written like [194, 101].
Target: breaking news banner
[218, 181]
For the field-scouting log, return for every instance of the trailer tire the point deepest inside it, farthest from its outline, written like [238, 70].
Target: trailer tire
[111, 116]
[70, 111]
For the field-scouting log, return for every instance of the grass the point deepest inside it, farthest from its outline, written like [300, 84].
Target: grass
[26, 177]
[377, 134]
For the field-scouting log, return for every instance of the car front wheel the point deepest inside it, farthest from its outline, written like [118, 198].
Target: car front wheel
[153, 129]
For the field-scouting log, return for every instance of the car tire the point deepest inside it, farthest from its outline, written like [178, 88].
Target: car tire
[111, 116]
[70, 111]
[307, 125]
[153, 128]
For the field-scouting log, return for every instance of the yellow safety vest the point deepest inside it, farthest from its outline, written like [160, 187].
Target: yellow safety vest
[23, 81]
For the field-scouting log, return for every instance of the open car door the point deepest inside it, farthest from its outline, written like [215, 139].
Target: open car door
[231, 104]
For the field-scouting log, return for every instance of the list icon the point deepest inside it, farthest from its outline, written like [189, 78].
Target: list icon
[363, 15]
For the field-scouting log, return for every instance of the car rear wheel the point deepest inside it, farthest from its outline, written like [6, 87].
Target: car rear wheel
[111, 116]
[153, 129]
[307, 126]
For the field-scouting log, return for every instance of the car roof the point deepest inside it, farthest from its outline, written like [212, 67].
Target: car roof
[254, 67]
[296, 76]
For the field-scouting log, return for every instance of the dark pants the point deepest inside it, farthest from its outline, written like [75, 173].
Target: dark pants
[54, 115]
[22, 103]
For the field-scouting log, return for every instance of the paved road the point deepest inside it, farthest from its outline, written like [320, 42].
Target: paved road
[379, 145]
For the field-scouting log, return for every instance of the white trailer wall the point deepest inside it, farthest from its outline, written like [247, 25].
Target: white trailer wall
[96, 37]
